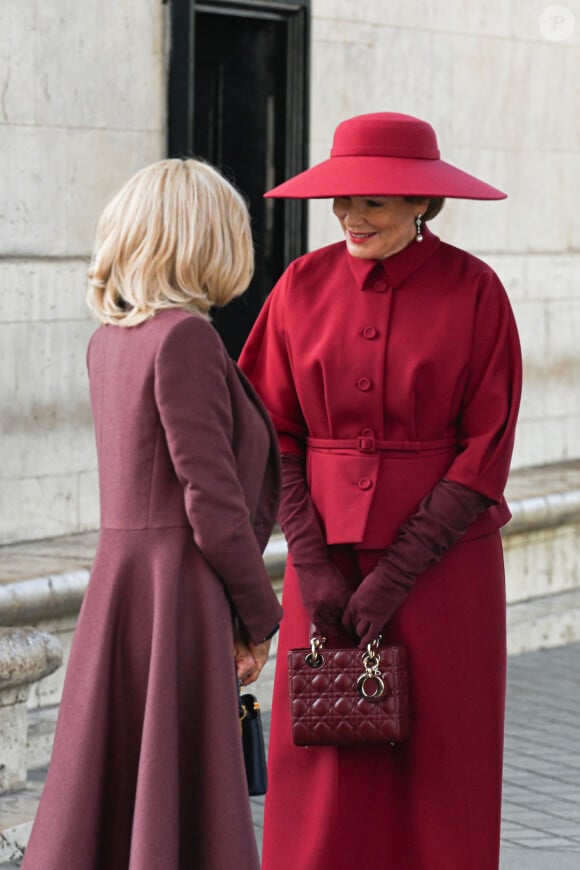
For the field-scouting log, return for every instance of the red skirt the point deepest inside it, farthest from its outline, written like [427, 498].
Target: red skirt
[433, 803]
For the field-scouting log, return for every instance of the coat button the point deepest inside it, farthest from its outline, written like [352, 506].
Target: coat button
[370, 332]
[364, 384]
[365, 483]
[380, 285]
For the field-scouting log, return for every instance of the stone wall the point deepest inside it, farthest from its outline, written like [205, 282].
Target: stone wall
[499, 82]
[82, 106]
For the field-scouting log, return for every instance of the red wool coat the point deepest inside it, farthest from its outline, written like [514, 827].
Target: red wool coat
[147, 768]
[390, 376]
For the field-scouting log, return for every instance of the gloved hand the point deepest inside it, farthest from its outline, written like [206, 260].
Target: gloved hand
[442, 517]
[323, 589]
[325, 594]
[374, 602]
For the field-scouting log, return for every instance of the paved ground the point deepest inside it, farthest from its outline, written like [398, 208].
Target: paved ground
[541, 807]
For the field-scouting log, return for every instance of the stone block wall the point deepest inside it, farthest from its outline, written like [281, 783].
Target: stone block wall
[499, 82]
[82, 106]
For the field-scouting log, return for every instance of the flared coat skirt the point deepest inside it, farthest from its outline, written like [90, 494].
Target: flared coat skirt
[147, 768]
[434, 802]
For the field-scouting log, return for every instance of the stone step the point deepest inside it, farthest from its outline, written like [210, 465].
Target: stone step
[17, 812]
[543, 622]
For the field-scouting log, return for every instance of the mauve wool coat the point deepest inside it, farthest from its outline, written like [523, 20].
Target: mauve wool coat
[389, 376]
[147, 768]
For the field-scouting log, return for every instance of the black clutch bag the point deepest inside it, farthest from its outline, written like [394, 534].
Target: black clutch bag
[253, 744]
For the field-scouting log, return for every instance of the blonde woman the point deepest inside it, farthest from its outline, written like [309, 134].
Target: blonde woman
[147, 768]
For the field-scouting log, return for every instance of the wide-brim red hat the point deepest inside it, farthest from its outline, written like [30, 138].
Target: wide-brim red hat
[384, 154]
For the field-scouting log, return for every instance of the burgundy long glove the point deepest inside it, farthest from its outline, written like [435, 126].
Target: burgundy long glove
[442, 517]
[324, 590]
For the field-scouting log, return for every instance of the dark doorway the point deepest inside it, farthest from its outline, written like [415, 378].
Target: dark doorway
[244, 109]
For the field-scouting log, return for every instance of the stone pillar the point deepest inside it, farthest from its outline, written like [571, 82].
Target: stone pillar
[26, 655]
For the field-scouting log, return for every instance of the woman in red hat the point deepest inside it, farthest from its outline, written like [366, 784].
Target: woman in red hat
[391, 367]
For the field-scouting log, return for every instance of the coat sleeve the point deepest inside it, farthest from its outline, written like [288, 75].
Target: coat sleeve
[492, 396]
[266, 361]
[192, 395]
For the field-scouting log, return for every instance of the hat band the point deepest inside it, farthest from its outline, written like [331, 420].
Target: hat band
[380, 152]
[416, 140]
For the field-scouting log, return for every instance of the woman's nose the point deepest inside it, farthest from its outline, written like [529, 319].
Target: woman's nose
[352, 215]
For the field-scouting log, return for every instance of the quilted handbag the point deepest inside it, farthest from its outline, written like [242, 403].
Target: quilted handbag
[348, 697]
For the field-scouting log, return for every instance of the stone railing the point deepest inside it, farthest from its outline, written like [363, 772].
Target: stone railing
[540, 512]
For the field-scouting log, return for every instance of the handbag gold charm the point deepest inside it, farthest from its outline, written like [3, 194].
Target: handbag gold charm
[372, 675]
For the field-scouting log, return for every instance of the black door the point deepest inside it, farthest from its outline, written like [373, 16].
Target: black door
[246, 110]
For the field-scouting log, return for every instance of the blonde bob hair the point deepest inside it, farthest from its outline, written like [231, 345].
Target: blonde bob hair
[177, 235]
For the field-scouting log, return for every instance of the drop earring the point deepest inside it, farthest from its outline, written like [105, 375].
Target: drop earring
[418, 221]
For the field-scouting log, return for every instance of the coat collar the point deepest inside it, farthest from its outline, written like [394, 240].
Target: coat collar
[396, 269]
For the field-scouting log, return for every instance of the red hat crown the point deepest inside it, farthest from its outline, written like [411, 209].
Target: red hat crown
[385, 134]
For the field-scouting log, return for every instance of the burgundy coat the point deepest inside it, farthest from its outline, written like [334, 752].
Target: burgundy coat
[147, 769]
[420, 354]
[389, 376]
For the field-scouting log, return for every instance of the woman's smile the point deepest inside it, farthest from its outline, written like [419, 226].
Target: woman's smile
[358, 238]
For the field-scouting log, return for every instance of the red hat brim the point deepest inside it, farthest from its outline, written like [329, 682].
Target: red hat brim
[384, 176]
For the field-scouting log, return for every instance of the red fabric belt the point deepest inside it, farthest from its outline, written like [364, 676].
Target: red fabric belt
[370, 444]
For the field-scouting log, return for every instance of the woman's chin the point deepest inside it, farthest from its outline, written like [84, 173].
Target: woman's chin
[363, 251]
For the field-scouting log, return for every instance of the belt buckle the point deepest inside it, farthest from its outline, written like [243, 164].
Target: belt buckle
[366, 444]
